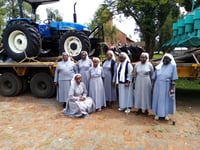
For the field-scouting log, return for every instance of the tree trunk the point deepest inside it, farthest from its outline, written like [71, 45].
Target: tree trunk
[149, 45]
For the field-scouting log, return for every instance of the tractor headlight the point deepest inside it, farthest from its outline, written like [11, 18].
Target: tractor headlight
[86, 29]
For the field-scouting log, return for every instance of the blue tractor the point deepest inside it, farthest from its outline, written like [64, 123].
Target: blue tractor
[25, 38]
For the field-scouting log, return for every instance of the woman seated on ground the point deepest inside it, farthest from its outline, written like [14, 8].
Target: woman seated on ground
[79, 105]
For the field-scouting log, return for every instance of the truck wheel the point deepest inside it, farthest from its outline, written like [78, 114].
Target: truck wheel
[41, 85]
[10, 84]
[20, 38]
[74, 42]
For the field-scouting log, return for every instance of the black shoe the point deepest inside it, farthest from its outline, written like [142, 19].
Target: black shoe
[64, 104]
[146, 113]
[108, 104]
[139, 112]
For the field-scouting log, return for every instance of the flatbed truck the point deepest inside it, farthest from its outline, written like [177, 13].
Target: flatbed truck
[15, 77]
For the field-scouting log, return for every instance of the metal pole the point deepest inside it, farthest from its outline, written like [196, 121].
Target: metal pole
[74, 15]
[192, 5]
[20, 8]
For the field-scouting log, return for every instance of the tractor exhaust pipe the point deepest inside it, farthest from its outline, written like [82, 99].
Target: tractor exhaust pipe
[74, 15]
[20, 8]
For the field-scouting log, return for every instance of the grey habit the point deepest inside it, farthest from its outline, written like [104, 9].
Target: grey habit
[110, 90]
[83, 68]
[65, 71]
[126, 98]
[96, 87]
[75, 107]
[143, 85]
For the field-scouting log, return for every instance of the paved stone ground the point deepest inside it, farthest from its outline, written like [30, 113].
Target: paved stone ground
[28, 123]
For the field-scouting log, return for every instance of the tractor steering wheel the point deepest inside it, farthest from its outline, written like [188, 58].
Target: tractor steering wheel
[47, 21]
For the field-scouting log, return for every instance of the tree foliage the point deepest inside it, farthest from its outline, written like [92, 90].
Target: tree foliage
[2, 14]
[53, 14]
[165, 33]
[103, 16]
[12, 9]
[187, 4]
[150, 16]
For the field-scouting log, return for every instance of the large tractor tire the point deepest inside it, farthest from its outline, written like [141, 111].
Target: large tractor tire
[74, 42]
[10, 84]
[20, 40]
[42, 85]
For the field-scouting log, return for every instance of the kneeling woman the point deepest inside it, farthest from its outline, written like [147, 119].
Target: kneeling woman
[79, 105]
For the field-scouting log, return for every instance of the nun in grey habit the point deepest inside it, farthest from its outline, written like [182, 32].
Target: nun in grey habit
[123, 79]
[83, 65]
[65, 71]
[110, 67]
[96, 87]
[143, 72]
[164, 99]
[79, 105]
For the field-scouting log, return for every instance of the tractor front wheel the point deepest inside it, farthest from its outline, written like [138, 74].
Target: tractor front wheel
[73, 42]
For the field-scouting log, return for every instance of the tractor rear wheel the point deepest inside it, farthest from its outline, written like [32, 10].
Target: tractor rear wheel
[20, 40]
[10, 84]
[73, 42]
[42, 85]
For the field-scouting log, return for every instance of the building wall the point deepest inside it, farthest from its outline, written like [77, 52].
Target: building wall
[120, 37]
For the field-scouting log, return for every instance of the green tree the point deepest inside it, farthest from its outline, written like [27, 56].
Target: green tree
[2, 14]
[12, 9]
[165, 32]
[188, 4]
[104, 16]
[150, 16]
[110, 32]
[53, 14]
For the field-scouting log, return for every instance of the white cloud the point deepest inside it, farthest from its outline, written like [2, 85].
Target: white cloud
[85, 10]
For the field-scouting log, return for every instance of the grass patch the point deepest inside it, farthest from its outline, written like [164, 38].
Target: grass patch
[102, 57]
[188, 90]
[157, 56]
[189, 84]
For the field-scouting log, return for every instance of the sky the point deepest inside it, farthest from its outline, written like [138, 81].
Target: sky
[85, 10]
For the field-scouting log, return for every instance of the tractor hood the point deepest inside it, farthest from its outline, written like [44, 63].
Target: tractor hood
[62, 26]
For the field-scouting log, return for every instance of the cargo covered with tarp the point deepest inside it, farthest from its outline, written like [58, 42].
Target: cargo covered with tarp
[186, 31]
